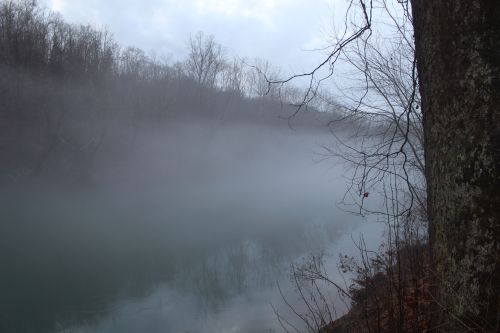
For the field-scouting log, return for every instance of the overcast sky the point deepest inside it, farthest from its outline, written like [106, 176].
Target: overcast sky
[281, 31]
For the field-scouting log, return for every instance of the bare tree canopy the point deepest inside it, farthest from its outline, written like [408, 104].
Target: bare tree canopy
[205, 60]
[454, 124]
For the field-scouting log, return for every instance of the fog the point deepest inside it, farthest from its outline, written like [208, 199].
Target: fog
[144, 196]
[189, 231]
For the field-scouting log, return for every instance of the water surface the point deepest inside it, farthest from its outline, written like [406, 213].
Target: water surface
[188, 232]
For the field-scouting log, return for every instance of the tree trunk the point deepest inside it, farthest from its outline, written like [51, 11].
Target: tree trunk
[458, 59]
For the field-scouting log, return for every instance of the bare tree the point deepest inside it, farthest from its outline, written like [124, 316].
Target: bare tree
[260, 76]
[379, 136]
[233, 77]
[205, 60]
[457, 127]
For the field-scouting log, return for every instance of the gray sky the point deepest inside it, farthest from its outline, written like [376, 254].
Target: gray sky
[280, 31]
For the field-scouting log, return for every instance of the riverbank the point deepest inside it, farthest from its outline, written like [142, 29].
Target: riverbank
[395, 298]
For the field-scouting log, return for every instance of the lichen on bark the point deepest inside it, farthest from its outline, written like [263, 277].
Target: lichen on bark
[458, 60]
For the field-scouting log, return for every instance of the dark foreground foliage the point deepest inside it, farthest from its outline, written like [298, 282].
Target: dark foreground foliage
[395, 300]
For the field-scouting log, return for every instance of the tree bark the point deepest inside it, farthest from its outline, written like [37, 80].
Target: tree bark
[458, 61]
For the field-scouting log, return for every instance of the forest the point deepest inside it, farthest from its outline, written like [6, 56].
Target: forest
[71, 94]
[218, 193]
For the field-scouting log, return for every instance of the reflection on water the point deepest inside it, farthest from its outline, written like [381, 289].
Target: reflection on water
[194, 254]
[61, 273]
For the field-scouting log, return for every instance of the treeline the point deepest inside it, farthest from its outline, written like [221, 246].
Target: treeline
[67, 89]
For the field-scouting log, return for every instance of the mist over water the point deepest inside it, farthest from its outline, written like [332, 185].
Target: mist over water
[141, 195]
[190, 230]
